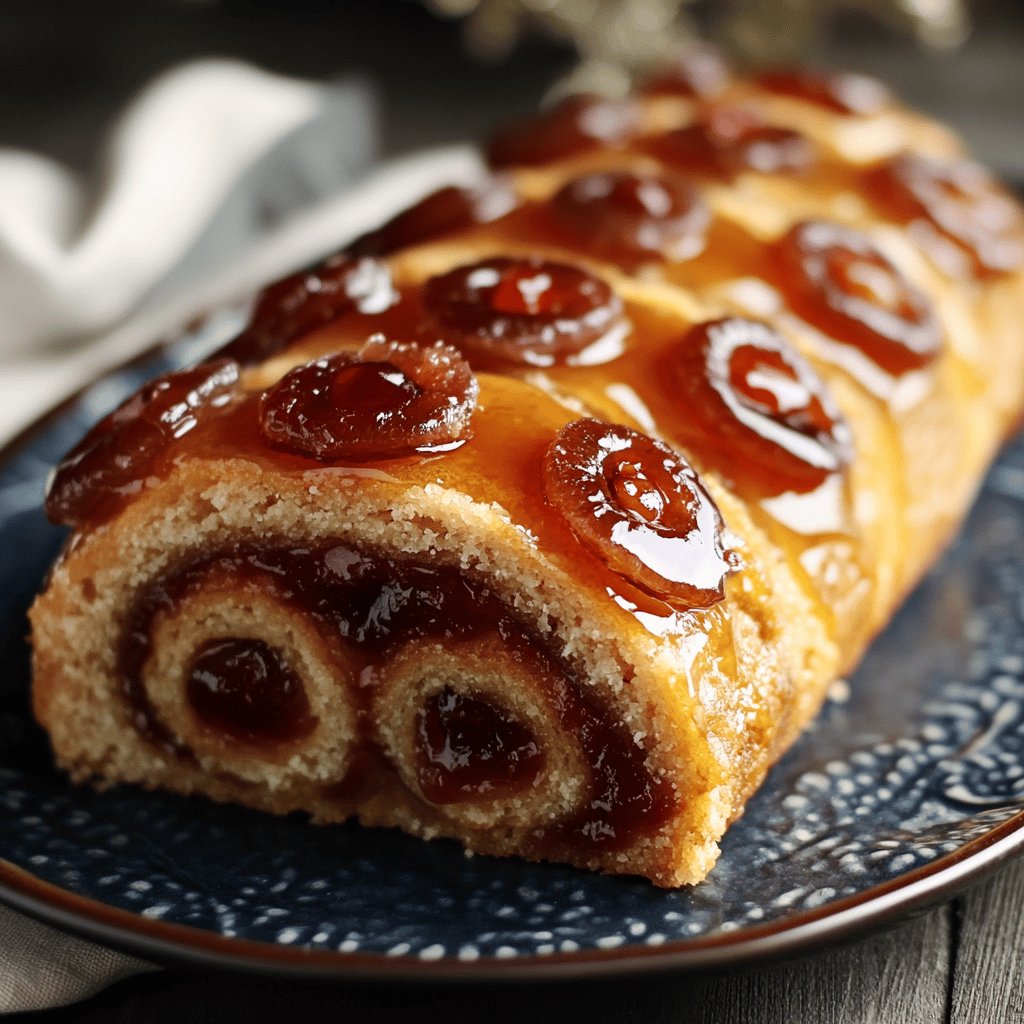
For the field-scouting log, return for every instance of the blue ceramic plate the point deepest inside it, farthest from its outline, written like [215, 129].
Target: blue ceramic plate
[910, 783]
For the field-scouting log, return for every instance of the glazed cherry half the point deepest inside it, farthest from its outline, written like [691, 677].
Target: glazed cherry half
[117, 455]
[386, 400]
[443, 212]
[627, 217]
[756, 409]
[727, 140]
[298, 304]
[961, 202]
[523, 311]
[837, 280]
[639, 507]
[578, 124]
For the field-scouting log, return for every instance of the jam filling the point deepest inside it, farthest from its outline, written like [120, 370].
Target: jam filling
[753, 402]
[837, 280]
[386, 400]
[532, 312]
[470, 748]
[628, 217]
[699, 72]
[374, 604]
[301, 302]
[577, 125]
[245, 688]
[728, 140]
[640, 507]
[957, 201]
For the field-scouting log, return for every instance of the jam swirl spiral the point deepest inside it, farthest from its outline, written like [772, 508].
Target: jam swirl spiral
[387, 400]
[962, 202]
[640, 507]
[532, 312]
[837, 91]
[119, 452]
[756, 409]
[838, 280]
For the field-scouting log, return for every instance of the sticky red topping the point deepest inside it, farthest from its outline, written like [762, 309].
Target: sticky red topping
[578, 124]
[727, 140]
[387, 400]
[443, 212]
[117, 455]
[526, 311]
[839, 281]
[302, 302]
[757, 410]
[960, 201]
[625, 217]
[699, 71]
[840, 92]
[640, 507]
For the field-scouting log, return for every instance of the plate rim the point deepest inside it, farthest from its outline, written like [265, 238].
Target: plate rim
[172, 944]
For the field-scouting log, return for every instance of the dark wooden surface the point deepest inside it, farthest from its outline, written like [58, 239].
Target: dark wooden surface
[66, 66]
[961, 963]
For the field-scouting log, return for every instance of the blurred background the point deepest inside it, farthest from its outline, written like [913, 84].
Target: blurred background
[446, 70]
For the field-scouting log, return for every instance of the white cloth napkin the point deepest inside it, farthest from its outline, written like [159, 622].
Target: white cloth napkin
[218, 178]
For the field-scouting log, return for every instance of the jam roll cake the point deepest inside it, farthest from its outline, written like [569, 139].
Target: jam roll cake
[543, 516]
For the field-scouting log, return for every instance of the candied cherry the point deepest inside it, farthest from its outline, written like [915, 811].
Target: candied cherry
[838, 91]
[113, 459]
[700, 72]
[301, 302]
[640, 507]
[625, 216]
[838, 280]
[727, 140]
[528, 311]
[470, 748]
[386, 400]
[960, 200]
[578, 124]
[443, 212]
[759, 411]
[245, 688]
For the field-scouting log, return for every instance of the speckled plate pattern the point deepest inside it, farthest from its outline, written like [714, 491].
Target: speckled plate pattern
[910, 783]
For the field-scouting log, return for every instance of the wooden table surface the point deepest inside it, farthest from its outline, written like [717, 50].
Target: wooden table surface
[67, 66]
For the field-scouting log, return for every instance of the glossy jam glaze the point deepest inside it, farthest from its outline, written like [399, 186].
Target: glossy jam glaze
[110, 463]
[758, 411]
[468, 747]
[640, 506]
[839, 92]
[373, 604]
[245, 688]
[387, 399]
[529, 311]
[441, 213]
[578, 124]
[301, 302]
[956, 201]
[727, 140]
[628, 217]
[836, 279]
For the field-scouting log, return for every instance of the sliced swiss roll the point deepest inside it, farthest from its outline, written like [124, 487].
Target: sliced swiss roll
[544, 516]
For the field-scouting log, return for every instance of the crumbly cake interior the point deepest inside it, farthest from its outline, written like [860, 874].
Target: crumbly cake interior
[544, 516]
